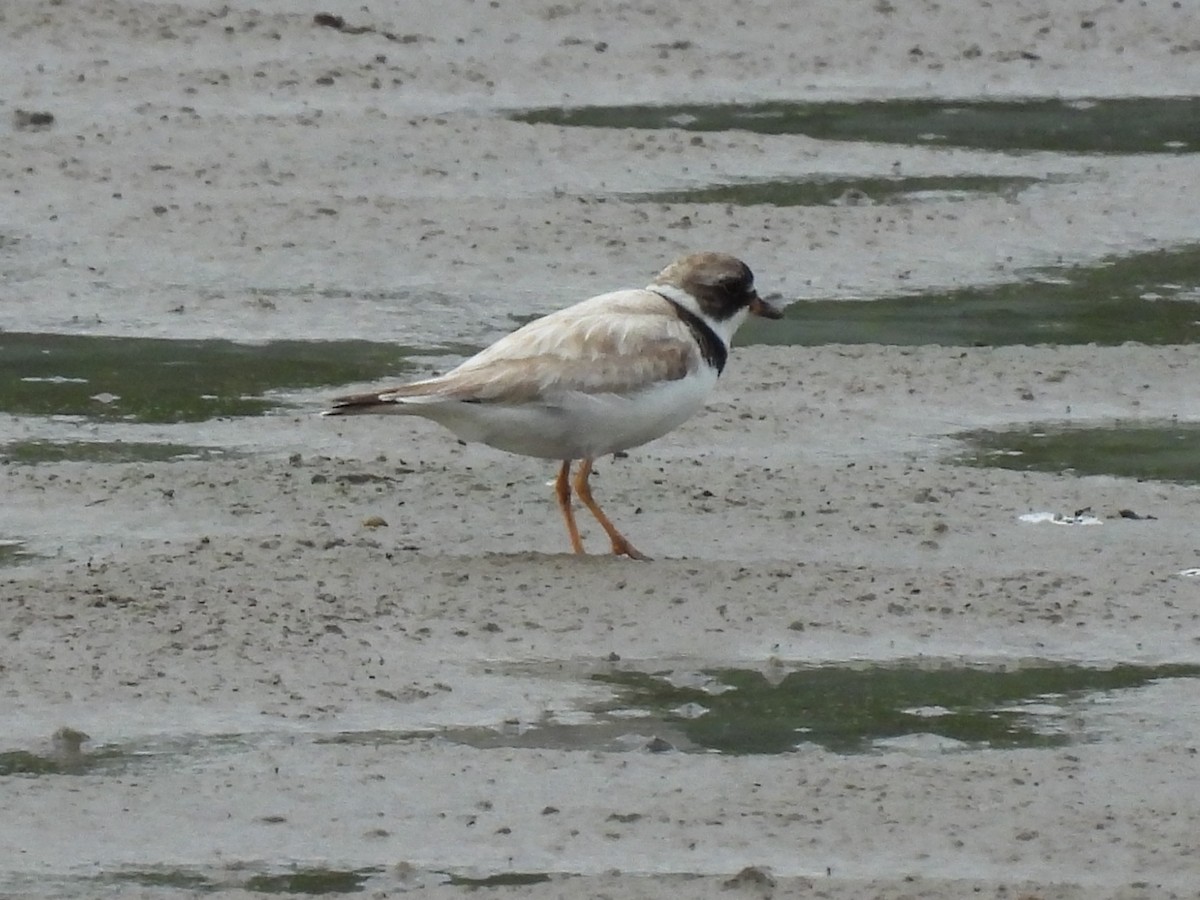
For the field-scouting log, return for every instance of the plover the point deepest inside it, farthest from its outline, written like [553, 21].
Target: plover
[604, 375]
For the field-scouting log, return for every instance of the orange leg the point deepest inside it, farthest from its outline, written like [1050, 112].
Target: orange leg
[621, 547]
[562, 489]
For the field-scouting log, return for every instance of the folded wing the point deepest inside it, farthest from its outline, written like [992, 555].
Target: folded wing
[616, 343]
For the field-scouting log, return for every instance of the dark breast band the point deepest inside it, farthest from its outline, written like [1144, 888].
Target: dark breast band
[712, 348]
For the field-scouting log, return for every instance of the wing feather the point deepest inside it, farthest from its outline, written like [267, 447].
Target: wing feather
[615, 343]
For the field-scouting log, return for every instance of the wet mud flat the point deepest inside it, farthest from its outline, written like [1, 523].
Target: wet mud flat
[922, 620]
[807, 683]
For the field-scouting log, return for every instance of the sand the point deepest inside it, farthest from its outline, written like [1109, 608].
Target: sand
[234, 172]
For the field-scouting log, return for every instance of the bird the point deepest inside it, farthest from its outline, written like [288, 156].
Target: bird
[598, 377]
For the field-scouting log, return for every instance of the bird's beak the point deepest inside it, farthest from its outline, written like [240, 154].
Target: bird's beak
[760, 307]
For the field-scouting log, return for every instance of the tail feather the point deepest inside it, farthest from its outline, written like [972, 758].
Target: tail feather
[358, 404]
[393, 400]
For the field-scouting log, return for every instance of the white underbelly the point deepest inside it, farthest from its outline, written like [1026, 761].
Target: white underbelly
[576, 425]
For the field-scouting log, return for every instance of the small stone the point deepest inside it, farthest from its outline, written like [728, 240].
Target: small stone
[31, 120]
[752, 876]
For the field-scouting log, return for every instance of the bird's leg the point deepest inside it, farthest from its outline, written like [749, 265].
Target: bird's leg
[621, 546]
[562, 489]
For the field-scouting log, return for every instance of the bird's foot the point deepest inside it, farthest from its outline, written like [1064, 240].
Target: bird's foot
[622, 547]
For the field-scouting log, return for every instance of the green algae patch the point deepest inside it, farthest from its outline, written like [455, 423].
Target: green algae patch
[852, 709]
[311, 881]
[1167, 451]
[1151, 298]
[825, 191]
[35, 452]
[1110, 125]
[500, 879]
[161, 380]
[168, 878]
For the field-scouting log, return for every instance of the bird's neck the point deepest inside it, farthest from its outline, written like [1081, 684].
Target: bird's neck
[724, 329]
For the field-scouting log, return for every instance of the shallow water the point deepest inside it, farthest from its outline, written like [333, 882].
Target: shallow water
[119, 758]
[190, 881]
[1147, 297]
[12, 550]
[161, 380]
[297, 880]
[844, 708]
[847, 191]
[850, 707]
[501, 879]
[311, 881]
[925, 708]
[1158, 451]
[33, 452]
[1114, 125]
[853, 708]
